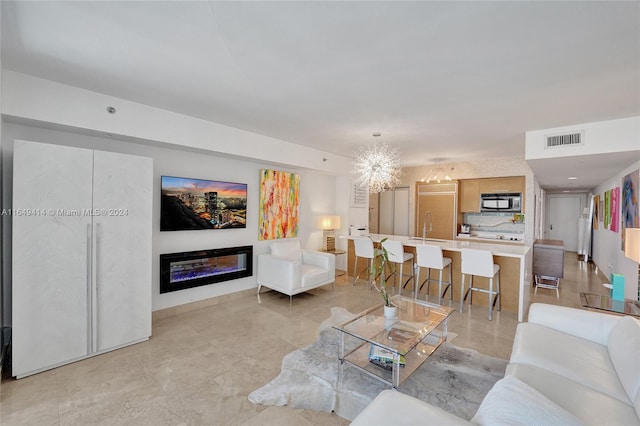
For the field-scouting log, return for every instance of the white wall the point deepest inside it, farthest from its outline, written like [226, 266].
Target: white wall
[608, 252]
[600, 137]
[317, 196]
[55, 104]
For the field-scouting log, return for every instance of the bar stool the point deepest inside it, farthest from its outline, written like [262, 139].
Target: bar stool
[480, 263]
[364, 248]
[397, 255]
[430, 256]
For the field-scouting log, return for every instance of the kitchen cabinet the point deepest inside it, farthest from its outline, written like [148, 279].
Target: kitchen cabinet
[81, 254]
[470, 190]
[470, 195]
[440, 199]
[502, 185]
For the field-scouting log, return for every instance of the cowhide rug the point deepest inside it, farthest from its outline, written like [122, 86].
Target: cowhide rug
[454, 379]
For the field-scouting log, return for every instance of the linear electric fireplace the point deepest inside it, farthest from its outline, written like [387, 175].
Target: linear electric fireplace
[195, 268]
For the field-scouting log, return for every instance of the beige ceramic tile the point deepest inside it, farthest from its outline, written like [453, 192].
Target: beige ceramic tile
[204, 359]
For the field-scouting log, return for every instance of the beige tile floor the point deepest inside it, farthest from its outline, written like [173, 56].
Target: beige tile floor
[199, 366]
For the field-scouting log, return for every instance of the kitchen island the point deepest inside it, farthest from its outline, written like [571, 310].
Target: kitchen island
[510, 257]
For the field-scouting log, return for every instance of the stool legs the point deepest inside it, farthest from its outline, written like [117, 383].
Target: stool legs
[440, 292]
[368, 269]
[428, 280]
[494, 296]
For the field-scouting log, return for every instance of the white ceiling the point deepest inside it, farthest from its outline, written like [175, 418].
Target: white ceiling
[442, 81]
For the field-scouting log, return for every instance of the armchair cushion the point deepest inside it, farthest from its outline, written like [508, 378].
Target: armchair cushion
[288, 249]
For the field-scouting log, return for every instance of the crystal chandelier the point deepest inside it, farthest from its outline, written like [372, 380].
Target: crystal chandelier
[438, 175]
[378, 165]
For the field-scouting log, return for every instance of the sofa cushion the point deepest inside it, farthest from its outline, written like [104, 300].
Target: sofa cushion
[513, 402]
[590, 405]
[288, 249]
[579, 360]
[624, 350]
[312, 275]
[391, 407]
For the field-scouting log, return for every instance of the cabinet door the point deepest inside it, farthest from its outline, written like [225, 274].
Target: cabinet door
[50, 255]
[441, 200]
[470, 195]
[502, 185]
[122, 201]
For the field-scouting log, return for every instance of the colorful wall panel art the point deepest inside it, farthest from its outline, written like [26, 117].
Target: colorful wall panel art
[278, 210]
[615, 208]
[607, 209]
[630, 205]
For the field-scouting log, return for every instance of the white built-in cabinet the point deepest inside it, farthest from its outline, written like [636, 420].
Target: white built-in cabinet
[81, 254]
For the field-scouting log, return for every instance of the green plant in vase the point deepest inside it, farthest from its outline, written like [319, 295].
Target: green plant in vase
[378, 268]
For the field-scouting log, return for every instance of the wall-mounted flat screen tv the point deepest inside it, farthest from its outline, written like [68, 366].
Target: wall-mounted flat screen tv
[188, 204]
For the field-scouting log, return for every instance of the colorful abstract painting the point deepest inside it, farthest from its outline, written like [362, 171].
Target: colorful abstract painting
[615, 208]
[607, 209]
[630, 205]
[278, 210]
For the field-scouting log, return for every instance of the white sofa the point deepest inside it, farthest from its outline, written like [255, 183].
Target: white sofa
[568, 366]
[289, 269]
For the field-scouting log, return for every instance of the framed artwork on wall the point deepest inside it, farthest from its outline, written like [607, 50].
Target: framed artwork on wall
[607, 209]
[615, 208]
[279, 203]
[359, 195]
[630, 204]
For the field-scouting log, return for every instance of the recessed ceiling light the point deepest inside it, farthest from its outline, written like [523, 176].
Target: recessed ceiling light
[566, 191]
[572, 178]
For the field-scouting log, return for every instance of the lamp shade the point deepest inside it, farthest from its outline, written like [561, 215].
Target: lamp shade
[329, 222]
[632, 244]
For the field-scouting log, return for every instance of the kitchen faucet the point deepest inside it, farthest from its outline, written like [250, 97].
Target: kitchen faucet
[424, 225]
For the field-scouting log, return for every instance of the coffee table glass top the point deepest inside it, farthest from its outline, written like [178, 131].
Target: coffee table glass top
[415, 320]
[605, 303]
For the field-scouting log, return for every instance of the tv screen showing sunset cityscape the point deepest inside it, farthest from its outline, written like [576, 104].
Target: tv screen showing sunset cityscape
[188, 204]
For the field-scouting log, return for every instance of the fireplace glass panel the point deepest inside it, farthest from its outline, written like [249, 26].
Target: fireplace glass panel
[179, 271]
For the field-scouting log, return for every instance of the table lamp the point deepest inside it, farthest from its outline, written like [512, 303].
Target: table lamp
[329, 224]
[632, 249]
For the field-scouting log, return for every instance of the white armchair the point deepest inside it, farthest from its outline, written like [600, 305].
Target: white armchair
[289, 269]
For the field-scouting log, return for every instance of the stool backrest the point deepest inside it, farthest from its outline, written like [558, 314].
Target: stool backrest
[477, 262]
[363, 247]
[395, 249]
[429, 256]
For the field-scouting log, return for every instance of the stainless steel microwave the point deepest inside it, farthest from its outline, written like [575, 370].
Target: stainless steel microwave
[507, 203]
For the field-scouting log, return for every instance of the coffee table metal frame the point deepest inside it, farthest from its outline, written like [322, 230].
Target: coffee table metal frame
[417, 331]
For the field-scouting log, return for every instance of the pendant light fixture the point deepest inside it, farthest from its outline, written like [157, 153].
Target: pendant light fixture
[378, 166]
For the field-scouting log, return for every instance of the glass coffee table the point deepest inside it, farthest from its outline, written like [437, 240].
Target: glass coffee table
[392, 349]
[605, 303]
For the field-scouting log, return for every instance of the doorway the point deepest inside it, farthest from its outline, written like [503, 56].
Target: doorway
[563, 219]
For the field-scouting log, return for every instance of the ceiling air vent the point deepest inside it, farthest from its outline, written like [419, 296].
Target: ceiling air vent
[567, 139]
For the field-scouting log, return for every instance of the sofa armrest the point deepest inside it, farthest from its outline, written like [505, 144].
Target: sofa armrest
[391, 407]
[320, 259]
[589, 325]
[278, 271]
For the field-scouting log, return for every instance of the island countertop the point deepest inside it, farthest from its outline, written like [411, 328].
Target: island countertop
[511, 258]
[497, 249]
